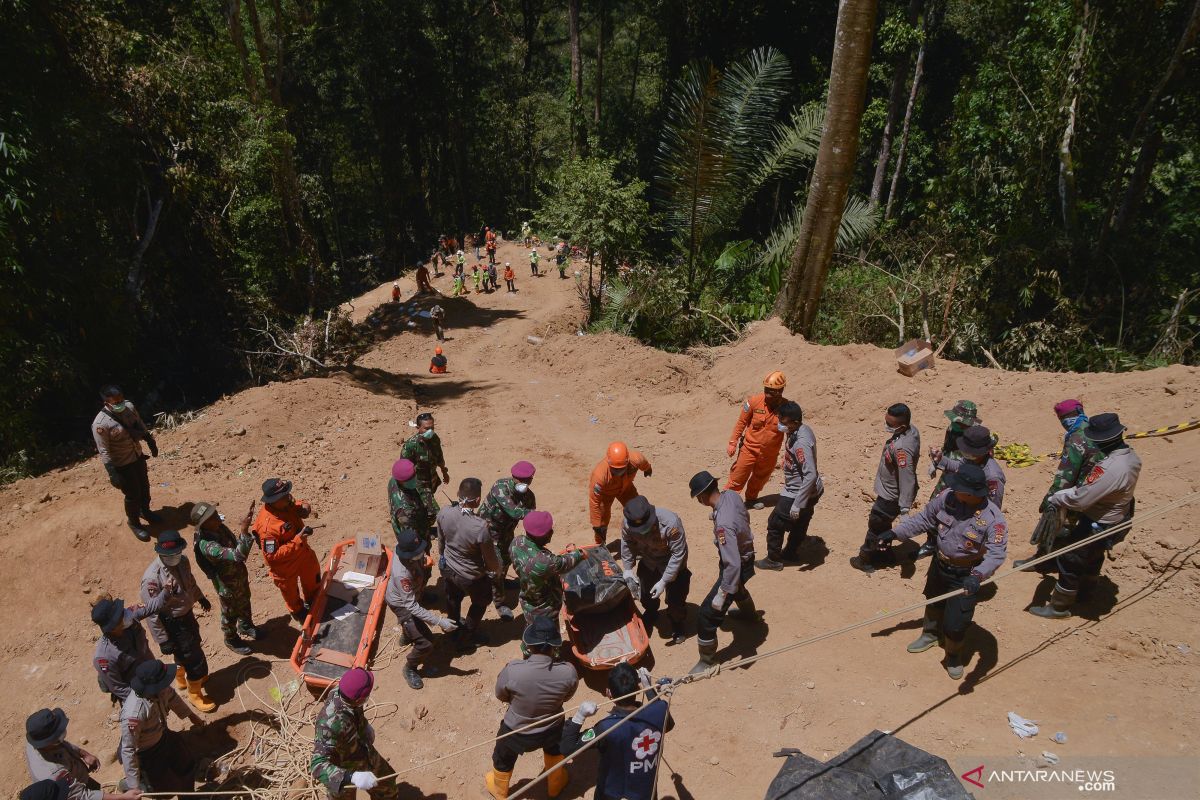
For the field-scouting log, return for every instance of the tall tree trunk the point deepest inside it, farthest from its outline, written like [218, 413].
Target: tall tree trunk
[237, 35]
[895, 107]
[1066, 161]
[637, 65]
[260, 46]
[578, 135]
[604, 14]
[830, 185]
[918, 72]
[1124, 210]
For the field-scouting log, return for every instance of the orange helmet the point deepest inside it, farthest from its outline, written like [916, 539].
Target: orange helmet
[618, 455]
[775, 380]
[437, 351]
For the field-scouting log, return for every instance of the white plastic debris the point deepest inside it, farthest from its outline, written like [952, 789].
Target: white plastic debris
[1025, 728]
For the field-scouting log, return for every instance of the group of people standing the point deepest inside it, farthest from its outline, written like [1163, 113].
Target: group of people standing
[477, 541]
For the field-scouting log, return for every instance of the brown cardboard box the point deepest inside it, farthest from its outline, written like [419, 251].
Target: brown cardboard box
[368, 552]
[914, 356]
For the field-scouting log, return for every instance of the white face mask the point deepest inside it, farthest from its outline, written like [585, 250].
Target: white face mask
[781, 427]
[522, 487]
[889, 428]
[171, 561]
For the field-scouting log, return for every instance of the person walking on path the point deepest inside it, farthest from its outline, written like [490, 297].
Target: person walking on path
[510, 277]
[756, 439]
[118, 430]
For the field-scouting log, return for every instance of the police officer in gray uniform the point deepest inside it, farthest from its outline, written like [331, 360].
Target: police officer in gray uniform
[735, 549]
[976, 447]
[802, 488]
[654, 540]
[122, 644]
[895, 485]
[1104, 499]
[972, 539]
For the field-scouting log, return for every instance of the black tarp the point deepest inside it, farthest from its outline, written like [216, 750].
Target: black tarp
[876, 767]
[595, 584]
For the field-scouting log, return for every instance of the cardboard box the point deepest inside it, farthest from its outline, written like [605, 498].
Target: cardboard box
[914, 356]
[368, 553]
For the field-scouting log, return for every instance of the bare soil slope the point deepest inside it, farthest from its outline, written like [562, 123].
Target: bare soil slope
[1120, 680]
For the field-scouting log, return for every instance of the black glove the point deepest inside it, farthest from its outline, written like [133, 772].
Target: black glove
[1046, 530]
[153, 445]
[206, 604]
[114, 477]
[167, 647]
[884, 538]
[971, 584]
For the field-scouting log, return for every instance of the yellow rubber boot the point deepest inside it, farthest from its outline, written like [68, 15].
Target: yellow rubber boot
[199, 699]
[497, 783]
[556, 781]
[180, 678]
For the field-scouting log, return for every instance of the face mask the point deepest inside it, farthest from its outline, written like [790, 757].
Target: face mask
[118, 407]
[522, 487]
[428, 433]
[170, 561]
[889, 428]
[1068, 422]
[781, 428]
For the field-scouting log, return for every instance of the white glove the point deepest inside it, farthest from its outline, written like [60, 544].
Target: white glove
[1056, 500]
[586, 709]
[364, 780]
[632, 582]
[719, 599]
[657, 589]
[447, 624]
[644, 677]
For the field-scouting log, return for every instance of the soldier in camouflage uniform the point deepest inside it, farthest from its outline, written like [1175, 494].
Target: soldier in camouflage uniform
[424, 449]
[539, 570]
[223, 559]
[1079, 455]
[507, 504]
[964, 415]
[344, 755]
[411, 504]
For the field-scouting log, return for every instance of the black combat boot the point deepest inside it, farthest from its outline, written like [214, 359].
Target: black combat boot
[237, 644]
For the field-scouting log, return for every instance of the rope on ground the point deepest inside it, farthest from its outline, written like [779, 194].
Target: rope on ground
[1019, 454]
[275, 794]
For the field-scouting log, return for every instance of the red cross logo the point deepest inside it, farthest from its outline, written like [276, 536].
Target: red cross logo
[646, 743]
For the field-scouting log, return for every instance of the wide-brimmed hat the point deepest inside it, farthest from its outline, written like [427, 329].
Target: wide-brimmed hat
[151, 677]
[639, 515]
[702, 481]
[969, 480]
[410, 545]
[965, 413]
[108, 613]
[170, 543]
[275, 489]
[45, 727]
[1104, 427]
[201, 512]
[542, 632]
[975, 441]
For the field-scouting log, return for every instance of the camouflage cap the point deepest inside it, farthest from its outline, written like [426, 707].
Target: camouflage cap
[965, 413]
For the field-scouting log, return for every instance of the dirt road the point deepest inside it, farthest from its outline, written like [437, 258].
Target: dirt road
[1120, 681]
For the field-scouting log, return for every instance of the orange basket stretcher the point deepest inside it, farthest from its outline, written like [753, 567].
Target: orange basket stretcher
[600, 640]
[343, 625]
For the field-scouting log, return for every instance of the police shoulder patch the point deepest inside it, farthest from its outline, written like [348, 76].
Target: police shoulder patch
[1095, 474]
[720, 536]
[673, 533]
[102, 664]
[406, 584]
[901, 458]
[799, 453]
[999, 531]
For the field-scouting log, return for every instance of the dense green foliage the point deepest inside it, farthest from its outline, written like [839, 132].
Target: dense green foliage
[172, 174]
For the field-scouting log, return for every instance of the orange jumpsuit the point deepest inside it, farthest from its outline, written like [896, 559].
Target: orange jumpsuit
[604, 487]
[757, 430]
[288, 556]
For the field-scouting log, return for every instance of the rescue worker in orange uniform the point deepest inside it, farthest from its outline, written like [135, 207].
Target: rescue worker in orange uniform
[280, 531]
[612, 479]
[758, 435]
[437, 364]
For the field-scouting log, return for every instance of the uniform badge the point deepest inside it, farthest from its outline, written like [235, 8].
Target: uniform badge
[269, 547]
[588, 735]
[799, 456]
[999, 531]
[901, 459]
[979, 523]
[153, 589]
[596, 489]
[720, 536]
[1095, 474]
[406, 585]
[993, 487]
[102, 663]
[673, 533]
[745, 405]
[645, 744]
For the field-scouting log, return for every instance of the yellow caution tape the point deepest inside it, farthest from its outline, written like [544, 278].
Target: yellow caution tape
[1018, 454]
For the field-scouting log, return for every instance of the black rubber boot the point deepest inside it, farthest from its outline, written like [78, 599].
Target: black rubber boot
[746, 611]
[1059, 606]
[413, 677]
[236, 644]
[141, 533]
[927, 549]
[769, 563]
[249, 632]
[708, 657]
